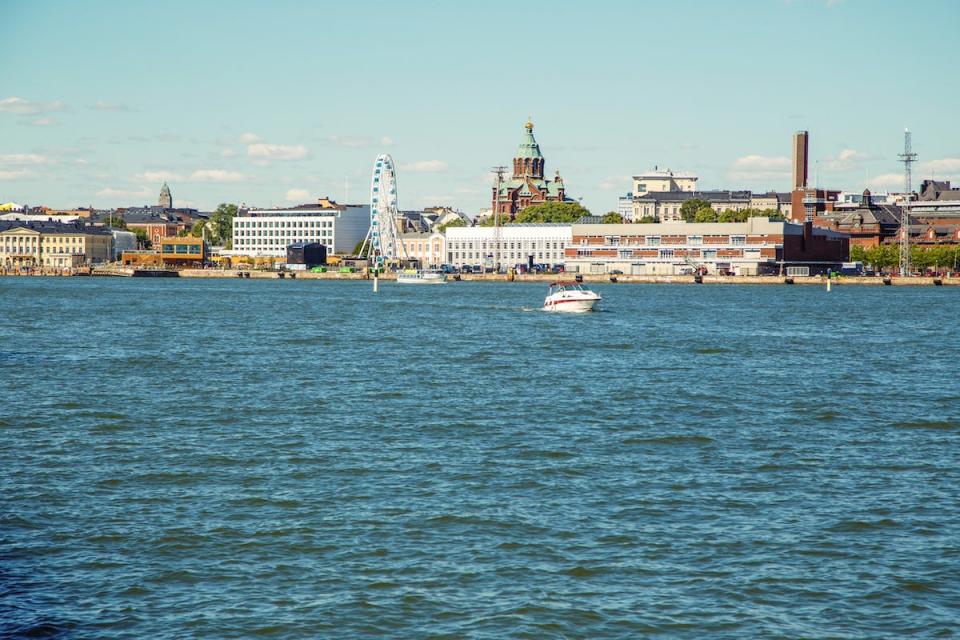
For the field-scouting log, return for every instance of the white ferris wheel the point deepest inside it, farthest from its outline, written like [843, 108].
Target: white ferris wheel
[382, 243]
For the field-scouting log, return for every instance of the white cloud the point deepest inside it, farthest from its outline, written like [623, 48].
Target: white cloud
[13, 175]
[228, 153]
[386, 142]
[249, 138]
[26, 107]
[297, 195]
[887, 181]
[943, 166]
[845, 160]
[112, 107]
[43, 122]
[620, 183]
[425, 166]
[22, 159]
[159, 176]
[215, 175]
[109, 192]
[268, 152]
[757, 167]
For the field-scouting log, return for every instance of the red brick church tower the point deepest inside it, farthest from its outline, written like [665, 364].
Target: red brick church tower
[527, 186]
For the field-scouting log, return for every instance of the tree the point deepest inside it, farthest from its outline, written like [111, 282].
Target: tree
[729, 215]
[689, 209]
[552, 212]
[197, 230]
[705, 214]
[883, 256]
[459, 222]
[142, 238]
[220, 225]
[116, 221]
[183, 233]
[858, 254]
[647, 220]
[612, 217]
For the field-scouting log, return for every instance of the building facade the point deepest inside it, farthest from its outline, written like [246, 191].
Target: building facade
[755, 247]
[519, 244]
[659, 181]
[53, 244]
[665, 206]
[429, 249]
[182, 251]
[527, 185]
[625, 207]
[268, 232]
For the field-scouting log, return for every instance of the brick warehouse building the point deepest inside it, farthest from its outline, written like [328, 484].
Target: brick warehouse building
[527, 186]
[755, 247]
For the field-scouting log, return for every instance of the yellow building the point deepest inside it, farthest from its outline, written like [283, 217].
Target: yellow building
[182, 250]
[52, 244]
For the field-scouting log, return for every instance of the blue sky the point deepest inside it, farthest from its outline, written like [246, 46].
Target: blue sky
[273, 103]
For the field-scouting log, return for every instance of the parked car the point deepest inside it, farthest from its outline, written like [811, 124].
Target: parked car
[558, 268]
[466, 269]
[616, 272]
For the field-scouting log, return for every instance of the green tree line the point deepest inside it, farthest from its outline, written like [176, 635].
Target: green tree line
[699, 210]
[887, 256]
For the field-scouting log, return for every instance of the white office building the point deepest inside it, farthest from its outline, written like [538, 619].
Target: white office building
[474, 246]
[268, 232]
[625, 207]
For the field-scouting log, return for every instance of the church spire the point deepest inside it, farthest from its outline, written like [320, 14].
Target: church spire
[166, 200]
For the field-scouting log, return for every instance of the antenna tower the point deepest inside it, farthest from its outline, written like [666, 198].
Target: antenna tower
[908, 157]
[499, 171]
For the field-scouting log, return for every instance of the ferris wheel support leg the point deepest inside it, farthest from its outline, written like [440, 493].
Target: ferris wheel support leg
[363, 247]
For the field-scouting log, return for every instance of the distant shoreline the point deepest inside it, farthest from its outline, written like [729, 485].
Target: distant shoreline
[529, 278]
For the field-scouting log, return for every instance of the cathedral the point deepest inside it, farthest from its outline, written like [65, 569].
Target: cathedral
[527, 186]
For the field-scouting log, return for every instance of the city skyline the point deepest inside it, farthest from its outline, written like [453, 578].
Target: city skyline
[283, 104]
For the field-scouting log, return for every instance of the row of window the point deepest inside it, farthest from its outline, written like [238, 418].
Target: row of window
[457, 256]
[705, 254]
[272, 241]
[654, 241]
[533, 245]
[282, 224]
[290, 233]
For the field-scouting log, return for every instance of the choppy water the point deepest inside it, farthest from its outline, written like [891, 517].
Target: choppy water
[226, 459]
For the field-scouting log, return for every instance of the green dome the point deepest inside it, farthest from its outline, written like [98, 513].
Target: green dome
[528, 145]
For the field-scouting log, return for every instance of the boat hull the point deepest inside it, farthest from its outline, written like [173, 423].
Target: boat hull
[571, 305]
[422, 278]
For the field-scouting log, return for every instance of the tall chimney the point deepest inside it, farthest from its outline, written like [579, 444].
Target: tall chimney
[801, 141]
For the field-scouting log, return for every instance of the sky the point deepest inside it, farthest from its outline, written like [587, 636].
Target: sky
[279, 103]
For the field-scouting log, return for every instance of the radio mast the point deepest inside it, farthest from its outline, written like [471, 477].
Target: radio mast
[908, 157]
[499, 171]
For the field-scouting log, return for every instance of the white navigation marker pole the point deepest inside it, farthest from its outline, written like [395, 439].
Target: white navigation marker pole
[376, 282]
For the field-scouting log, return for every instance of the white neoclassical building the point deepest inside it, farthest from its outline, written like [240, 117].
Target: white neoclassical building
[519, 243]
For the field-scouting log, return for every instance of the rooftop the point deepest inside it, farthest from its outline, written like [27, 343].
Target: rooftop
[53, 227]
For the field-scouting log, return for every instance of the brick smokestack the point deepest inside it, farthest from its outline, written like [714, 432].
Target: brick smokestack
[801, 141]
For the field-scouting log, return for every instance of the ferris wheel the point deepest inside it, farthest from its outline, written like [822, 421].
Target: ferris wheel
[383, 242]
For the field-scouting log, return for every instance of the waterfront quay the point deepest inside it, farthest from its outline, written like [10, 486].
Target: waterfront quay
[544, 278]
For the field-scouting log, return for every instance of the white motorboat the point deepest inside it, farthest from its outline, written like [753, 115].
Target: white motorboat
[421, 276]
[570, 297]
